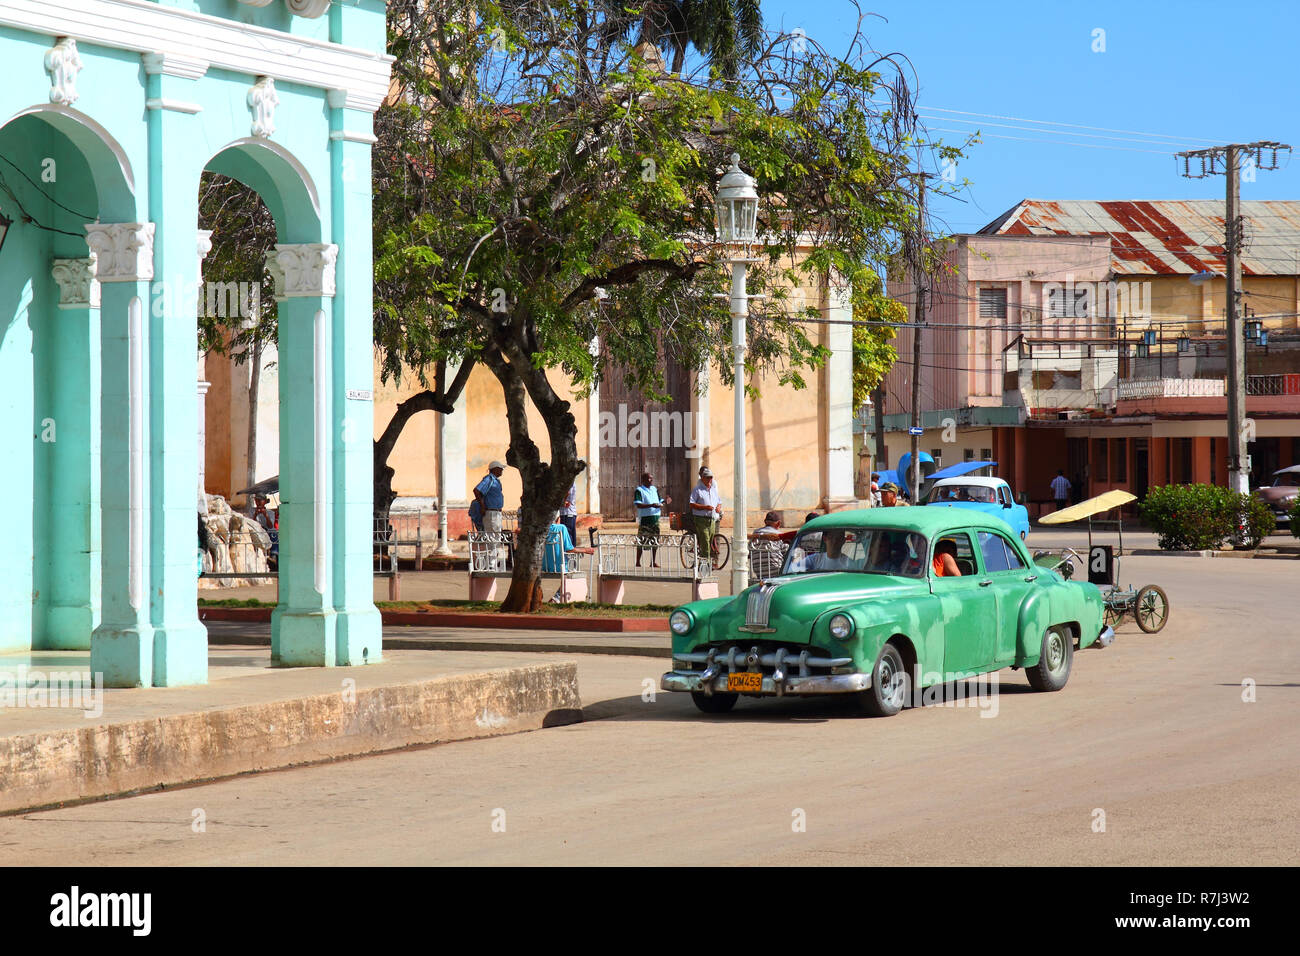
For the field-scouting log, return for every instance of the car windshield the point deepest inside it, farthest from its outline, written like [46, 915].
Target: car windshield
[1287, 481]
[981, 493]
[870, 550]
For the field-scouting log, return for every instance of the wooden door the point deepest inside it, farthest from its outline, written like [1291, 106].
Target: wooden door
[638, 435]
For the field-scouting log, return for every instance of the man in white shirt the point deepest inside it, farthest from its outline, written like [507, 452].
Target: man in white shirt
[1061, 489]
[831, 557]
[706, 512]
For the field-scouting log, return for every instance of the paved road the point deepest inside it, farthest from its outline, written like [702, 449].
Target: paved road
[1152, 731]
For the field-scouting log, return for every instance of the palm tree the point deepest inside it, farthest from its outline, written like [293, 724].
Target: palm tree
[725, 32]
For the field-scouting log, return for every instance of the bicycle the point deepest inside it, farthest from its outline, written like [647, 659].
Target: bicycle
[721, 545]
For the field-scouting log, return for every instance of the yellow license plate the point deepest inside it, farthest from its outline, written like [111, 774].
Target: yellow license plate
[745, 682]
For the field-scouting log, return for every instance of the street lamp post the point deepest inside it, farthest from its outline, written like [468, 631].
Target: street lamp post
[737, 215]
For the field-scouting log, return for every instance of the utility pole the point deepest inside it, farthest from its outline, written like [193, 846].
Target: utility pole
[1226, 160]
[916, 246]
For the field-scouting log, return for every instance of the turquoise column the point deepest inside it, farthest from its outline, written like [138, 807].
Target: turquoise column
[20, 427]
[72, 549]
[359, 624]
[121, 647]
[180, 647]
[303, 625]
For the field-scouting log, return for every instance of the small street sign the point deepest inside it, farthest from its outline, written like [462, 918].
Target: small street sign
[916, 430]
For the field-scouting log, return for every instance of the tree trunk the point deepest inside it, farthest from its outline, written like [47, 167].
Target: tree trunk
[545, 484]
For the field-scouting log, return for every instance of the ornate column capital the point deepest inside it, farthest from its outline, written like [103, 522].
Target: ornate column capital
[78, 288]
[310, 9]
[63, 64]
[124, 250]
[303, 270]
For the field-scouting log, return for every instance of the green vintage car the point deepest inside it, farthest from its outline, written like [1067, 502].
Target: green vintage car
[859, 609]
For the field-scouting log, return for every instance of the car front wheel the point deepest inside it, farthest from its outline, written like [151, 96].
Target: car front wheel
[888, 691]
[714, 703]
[1054, 661]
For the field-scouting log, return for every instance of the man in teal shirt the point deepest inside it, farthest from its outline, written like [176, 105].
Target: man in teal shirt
[648, 507]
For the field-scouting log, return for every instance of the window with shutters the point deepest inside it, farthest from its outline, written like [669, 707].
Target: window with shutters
[993, 303]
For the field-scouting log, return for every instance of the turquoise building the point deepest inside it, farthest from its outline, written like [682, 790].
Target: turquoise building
[110, 112]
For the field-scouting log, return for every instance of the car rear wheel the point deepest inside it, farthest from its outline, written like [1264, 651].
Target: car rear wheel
[888, 691]
[1054, 661]
[714, 703]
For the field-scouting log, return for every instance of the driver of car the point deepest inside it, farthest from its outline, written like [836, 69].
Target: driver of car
[832, 558]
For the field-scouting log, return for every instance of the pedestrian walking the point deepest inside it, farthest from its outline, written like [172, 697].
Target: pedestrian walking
[1061, 489]
[706, 512]
[649, 506]
[569, 513]
[875, 489]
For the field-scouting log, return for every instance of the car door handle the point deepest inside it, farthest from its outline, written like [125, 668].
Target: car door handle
[1032, 577]
[986, 582]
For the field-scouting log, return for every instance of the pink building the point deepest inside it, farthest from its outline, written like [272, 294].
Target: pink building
[1068, 334]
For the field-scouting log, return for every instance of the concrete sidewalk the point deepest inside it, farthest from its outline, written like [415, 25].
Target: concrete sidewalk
[507, 640]
[62, 740]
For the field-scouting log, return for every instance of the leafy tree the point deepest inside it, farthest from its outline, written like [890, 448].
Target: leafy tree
[727, 32]
[540, 188]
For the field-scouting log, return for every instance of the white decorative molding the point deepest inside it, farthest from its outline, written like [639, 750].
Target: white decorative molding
[262, 101]
[174, 64]
[78, 288]
[204, 247]
[309, 9]
[65, 119]
[143, 26]
[303, 270]
[124, 250]
[350, 136]
[63, 64]
[176, 106]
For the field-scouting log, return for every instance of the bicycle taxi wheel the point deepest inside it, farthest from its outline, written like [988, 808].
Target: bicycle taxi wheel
[1151, 608]
[722, 550]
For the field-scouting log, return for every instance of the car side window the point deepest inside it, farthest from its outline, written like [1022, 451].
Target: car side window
[1013, 557]
[999, 554]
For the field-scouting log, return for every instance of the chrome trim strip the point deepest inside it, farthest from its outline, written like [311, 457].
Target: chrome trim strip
[820, 684]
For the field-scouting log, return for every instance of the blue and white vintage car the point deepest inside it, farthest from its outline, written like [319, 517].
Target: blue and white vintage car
[990, 496]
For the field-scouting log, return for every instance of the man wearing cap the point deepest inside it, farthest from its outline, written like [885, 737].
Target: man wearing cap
[490, 497]
[889, 496]
[706, 512]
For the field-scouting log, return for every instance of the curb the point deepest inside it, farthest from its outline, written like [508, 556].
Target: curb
[436, 644]
[1283, 552]
[528, 622]
[93, 762]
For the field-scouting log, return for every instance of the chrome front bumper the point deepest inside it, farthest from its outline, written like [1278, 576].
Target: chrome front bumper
[814, 684]
[1106, 637]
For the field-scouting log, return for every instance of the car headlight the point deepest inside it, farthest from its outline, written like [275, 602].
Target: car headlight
[841, 626]
[679, 621]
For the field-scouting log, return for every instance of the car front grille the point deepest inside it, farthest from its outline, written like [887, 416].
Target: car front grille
[770, 659]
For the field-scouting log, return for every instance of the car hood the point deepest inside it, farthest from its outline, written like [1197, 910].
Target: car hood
[1278, 494]
[790, 604]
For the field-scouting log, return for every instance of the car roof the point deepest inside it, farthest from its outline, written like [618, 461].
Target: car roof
[919, 518]
[1293, 470]
[971, 480]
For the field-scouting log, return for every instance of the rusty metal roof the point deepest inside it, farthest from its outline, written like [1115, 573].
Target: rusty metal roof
[1165, 236]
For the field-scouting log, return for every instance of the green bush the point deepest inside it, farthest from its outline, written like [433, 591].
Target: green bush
[1257, 522]
[1205, 517]
[1294, 516]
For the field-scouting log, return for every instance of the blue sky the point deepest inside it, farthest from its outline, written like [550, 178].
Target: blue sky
[1173, 75]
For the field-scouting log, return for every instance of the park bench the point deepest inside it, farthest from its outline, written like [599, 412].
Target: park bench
[491, 557]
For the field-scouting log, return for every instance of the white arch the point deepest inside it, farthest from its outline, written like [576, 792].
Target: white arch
[74, 124]
[308, 183]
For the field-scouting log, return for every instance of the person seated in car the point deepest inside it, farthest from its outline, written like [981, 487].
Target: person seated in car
[945, 559]
[832, 558]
